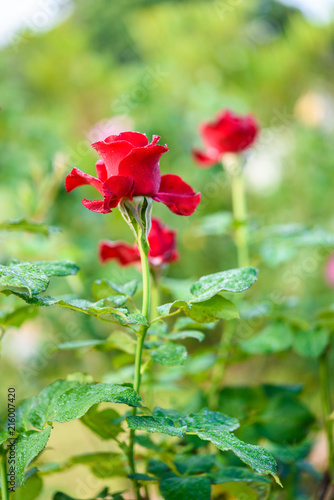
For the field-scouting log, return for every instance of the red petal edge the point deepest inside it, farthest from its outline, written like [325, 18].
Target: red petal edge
[177, 195]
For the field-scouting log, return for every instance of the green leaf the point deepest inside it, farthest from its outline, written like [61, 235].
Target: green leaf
[45, 404]
[312, 343]
[146, 442]
[194, 464]
[32, 278]
[211, 310]
[57, 268]
[22, 421]
[170, 354]
[18, 316]
[32, 490]
[100, 308]
[259, 484]
[285, 419]
[104, 423]
[156, 424]
[276, 337]
[104, 494]
[211, 420]
[76, 402]
[235, 280]
[165, 309]
[236, 474]
[79, 344]
[204, 311]
[4, 435]
[103, 289]
[290, 454]
[27, 446]
[187, 334]
[188, 323]
[24, 277]
[133, 319]
[157, 468]
[209, 426]
[174, 487]
[256, 457]
[28, 226]
[141, 477]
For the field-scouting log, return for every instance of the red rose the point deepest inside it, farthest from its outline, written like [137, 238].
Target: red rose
[162, 244]
[228, 133]
[130, 167]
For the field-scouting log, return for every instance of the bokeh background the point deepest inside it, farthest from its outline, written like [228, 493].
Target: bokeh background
[74, 72]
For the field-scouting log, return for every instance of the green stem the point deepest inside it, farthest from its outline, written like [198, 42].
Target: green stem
[327, 408]
[139, 350]
[239, 208]
[3, 475]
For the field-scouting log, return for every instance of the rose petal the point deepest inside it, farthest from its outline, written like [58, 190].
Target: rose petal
[96, 206]
[112, 153]
[137, 139]
[142, 164]
[155, 139]
[161, 239]
[101, 170]
[122, 252]
[115, 188]
[179, 197]
[78, 178]
[205, 160]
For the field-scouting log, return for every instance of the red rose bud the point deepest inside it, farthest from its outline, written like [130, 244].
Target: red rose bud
[228, 133]
[130, 167]
[162, 242]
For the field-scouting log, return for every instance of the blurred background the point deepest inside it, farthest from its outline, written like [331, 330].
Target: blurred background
[75, 72]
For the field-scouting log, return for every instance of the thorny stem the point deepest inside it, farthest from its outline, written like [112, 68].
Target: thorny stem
[3, 475]
[327, 408]
[139, 350]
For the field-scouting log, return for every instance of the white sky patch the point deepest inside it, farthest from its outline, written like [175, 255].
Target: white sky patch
[33, 15]
[315, 10]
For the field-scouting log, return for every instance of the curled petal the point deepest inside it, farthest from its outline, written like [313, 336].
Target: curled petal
[122, 252]
[142, 164]
[155, 139]
[205, 160]
[137, 139]
[77, 178]
[101, 171]
[115, 188]
[112, 153]
[96, 206]
[179, 197]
